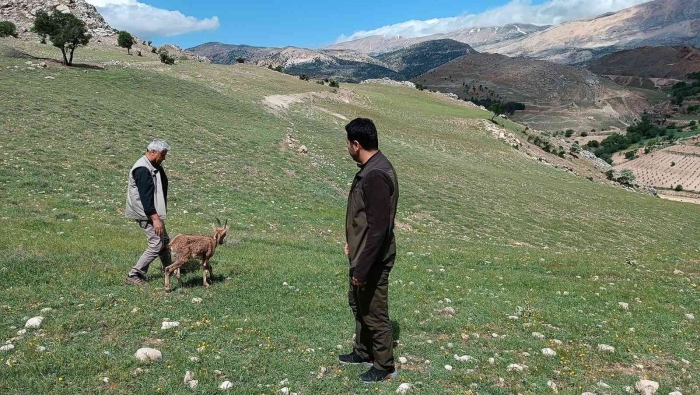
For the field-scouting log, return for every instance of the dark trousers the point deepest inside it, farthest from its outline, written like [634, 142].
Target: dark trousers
[370, 305]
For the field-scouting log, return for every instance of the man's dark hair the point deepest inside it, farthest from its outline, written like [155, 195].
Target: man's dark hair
[364, 132]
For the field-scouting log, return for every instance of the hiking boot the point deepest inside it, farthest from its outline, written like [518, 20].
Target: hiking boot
[135, 280]
[354, 359]
[373, 375]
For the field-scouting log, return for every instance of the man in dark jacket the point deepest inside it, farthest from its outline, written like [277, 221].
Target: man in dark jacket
[146, 203]
[371, 249]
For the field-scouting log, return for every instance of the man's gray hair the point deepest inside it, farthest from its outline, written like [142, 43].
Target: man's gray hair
[159, 146]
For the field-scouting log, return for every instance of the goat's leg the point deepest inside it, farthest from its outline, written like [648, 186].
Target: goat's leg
[211, 272]
[205, 264]
[170, 270]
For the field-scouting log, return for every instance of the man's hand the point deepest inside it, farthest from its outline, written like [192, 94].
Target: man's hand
[158, 226]
[347, 249]
[357, 282]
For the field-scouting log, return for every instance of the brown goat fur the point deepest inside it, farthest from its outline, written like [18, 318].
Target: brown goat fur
[185, 247]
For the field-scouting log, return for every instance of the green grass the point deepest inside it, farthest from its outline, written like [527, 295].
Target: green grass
[514, 237]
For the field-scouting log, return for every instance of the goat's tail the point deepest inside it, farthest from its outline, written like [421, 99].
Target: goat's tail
[173, 240]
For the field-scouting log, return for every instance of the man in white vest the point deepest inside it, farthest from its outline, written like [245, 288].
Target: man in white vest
[146, 203]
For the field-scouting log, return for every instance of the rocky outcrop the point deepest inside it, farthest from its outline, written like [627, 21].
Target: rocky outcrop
[22, 14]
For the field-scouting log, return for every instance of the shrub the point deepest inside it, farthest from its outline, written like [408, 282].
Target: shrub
[673, 164]
[320, 82]
[569, 133]
[679, 187]
[8, 29]
[420, 87]
[304, 77]
[630, 155]
[334, 84]
[692, 123]
[593, 144]
[165, 57]
[149, 43]
[154, 50]
[279, 69]
[584, 134]
[65, 31]
[125, 40]
[240, 59]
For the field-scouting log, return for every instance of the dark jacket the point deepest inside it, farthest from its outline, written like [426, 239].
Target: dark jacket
[144, 183]
[369, 222]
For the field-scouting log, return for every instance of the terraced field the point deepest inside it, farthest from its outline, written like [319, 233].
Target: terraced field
[668, 168]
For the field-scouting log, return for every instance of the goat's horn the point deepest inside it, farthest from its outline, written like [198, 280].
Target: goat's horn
[226, 223]
[218, 221]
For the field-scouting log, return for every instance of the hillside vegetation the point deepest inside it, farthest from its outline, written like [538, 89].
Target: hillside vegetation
[512, 245]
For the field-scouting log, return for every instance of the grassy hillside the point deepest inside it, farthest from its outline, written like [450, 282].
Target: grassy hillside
[516, 246]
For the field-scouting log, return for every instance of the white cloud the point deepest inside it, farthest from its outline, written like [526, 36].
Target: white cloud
[147, 21]
[550, 12]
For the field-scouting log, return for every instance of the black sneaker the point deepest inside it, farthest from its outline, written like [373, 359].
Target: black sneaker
[374, 375]
[354, 359]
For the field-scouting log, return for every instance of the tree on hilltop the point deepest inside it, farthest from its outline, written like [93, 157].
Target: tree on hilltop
[65, 31]
[125, 40]
[8, 29]
[496, 109]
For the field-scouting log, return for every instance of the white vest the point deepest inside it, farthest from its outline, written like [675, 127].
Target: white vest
[134, 207]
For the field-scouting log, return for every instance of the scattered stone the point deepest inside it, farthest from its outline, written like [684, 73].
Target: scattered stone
[284, 391]
[602, 384]
[514, 367]
[676, 271]
[48, 77]
[549, 352]
[169, 325]
[463, 358]
[537, 335]
[21, 332]
[7, 347]
[148, 354]
[588, 393]
[193, 383]
[40, 348]
[226, 385]
[43, 65]
[303, 150]
[189, 376]
[196, 300]
[448, 312]
[557, 342]
[284, 382]
[606, 348]
[194, 359]
[675, 393]
[690, 316]
[403, 360]
[624, 306]
[34, 322]
[525, 354]
[685, 361]
[46, 309]
[492, 361]
[448, 367]
[646, 387]
[551, 384]
[403, 388]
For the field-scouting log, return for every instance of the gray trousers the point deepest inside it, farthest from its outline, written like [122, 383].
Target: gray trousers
[157, 248]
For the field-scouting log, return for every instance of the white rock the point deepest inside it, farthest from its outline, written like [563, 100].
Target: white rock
[46, 309]
[676, 271]
[606, 348]
[448, 367]
[40, 348]
[34, 322]
[303, 150]
[169, 325]
[537, 335]
[514, 367]
[549, 352]
[194, 359]
[284, 284]
[7, 347]
[403, 388]
[226, 385]
[690, 316]
[551, 384]
[189, 376]
[196, 300]
[557, 342]
[602, 384]
[463, 358]
[403, 360]
[193, 383]
[525, 354]
[148, 354]
[624, 306]
[685, 361]
[675, 393]
[492, 361]
[284, 391]
[646, 387]
[588, 393]
[284, 382]
[21, 332]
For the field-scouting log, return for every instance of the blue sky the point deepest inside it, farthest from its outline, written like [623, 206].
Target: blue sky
[316, 23]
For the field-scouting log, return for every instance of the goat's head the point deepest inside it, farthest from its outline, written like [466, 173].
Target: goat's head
[220, 231]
